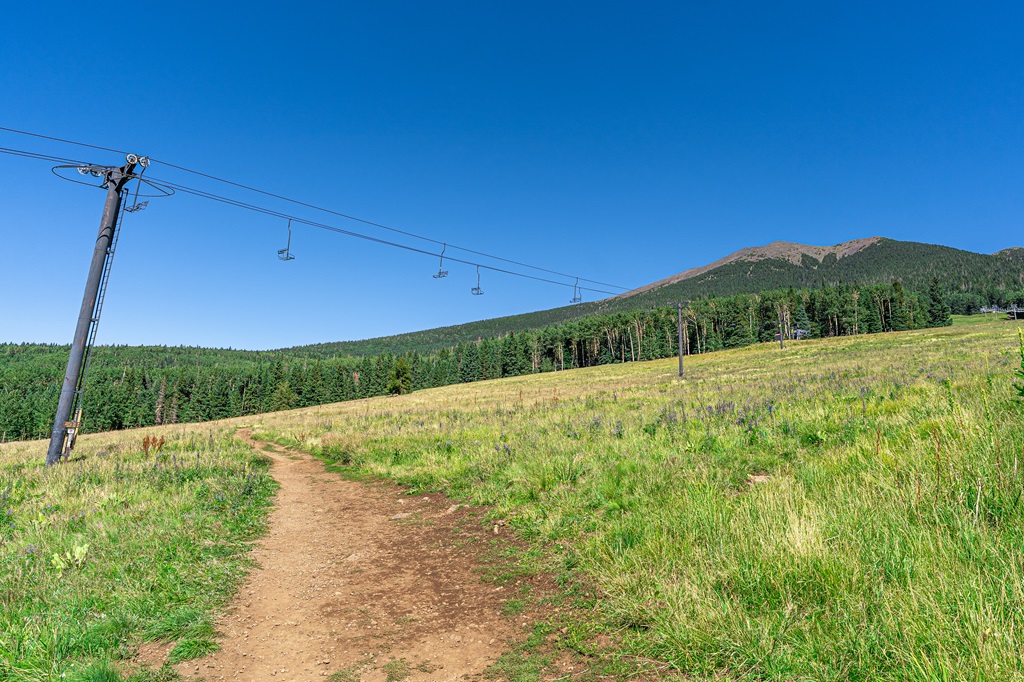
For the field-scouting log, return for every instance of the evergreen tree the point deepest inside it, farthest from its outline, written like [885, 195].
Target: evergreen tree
[938, 311]
[283, 397]
[870, 320]
[801, 321]
[314, 392]
[469, 368]
[400, 381]
[902, 313]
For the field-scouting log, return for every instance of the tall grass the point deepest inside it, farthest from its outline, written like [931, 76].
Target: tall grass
[121, 546]
[1020, 372]
[843, 509]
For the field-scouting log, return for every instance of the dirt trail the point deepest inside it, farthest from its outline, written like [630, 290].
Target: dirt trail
[346, 590]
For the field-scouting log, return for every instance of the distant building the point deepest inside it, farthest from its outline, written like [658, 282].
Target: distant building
[795, 334]
[1012, 313]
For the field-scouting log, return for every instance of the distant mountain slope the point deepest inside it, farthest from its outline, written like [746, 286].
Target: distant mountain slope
[863, 261]
[1014, 252]
[971, 279]
[788, 251]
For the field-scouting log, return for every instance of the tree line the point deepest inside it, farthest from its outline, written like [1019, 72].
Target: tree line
[971, 280]
[143, 386]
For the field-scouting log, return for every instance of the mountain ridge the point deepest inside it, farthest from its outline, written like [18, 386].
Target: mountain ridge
[791, 251]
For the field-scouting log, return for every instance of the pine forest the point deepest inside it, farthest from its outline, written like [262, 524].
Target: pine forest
[130, 387]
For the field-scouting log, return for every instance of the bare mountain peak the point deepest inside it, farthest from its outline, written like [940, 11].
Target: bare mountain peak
[779, 250]
[794, 252]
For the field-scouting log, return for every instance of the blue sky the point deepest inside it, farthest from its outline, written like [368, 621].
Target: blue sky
[620, 142]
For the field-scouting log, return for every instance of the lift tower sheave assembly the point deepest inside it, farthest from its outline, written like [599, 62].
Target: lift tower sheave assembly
[64, 428]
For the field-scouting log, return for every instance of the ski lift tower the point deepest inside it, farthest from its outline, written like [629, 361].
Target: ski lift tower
[65, 428]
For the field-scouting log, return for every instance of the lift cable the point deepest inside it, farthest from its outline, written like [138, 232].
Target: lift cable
[322, 209]
[332, 228]
[382, 226]
[278, 214]
[61, 139]
[41, 157]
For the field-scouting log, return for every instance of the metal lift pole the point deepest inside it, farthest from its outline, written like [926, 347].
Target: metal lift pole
[679, 330]
[116, 179]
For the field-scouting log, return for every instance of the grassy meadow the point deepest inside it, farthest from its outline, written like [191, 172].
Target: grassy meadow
[843, 509]
[122, 546]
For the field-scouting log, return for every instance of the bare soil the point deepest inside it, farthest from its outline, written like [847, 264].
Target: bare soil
[359, 581]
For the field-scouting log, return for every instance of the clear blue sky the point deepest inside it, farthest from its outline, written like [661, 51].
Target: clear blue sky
[621, 141]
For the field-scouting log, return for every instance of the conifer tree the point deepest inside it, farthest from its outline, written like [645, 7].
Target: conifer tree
[400, 381]
[938, 311]
[283, 397]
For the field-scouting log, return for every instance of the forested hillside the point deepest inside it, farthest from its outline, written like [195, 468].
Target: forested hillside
[969, 280]
[141, 386]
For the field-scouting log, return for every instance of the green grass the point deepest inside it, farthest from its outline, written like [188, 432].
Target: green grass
[396, 670]
[986, 319]
[116, 548]
[844, 509]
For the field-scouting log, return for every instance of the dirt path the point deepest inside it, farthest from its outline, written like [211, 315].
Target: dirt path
[357, 581]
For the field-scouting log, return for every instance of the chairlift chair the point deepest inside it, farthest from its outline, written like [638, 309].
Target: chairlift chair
[576, 293]
[477, 291]
[286, 253]
[441, 272]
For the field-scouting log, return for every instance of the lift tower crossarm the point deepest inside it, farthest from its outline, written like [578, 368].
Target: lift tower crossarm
[115, 181]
